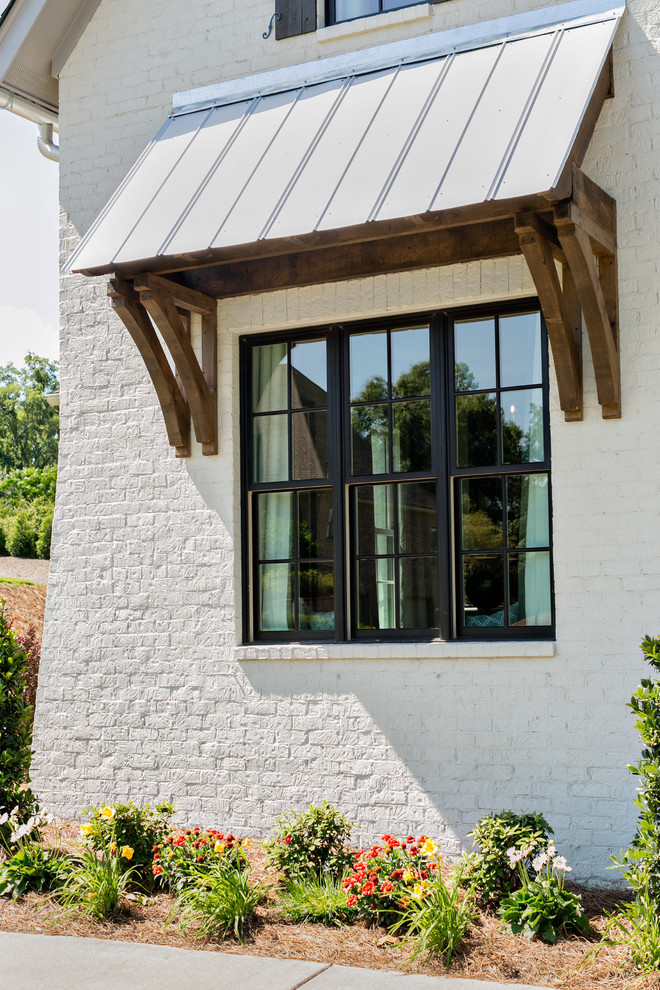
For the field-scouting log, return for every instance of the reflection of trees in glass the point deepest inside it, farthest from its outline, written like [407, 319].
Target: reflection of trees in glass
[480, 532]
[307, 545]
[412, 419]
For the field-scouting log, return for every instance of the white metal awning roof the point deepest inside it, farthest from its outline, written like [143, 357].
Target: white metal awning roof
[496, 121]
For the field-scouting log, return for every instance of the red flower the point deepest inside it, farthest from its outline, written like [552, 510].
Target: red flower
[369, 888]
[156, 855]
[188, 831]
[351, 901]
[411, 838]
[287, 839]
[157, 870]
[155, 849]
[200, 859]
[414, 850]
[386, 886]
[195, 831]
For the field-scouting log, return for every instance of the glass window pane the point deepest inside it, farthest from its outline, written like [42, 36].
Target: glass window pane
[529, 589]
[474, 354]
[411, 436]
[418, 532]
[275, 599]
[368, 367]
[345, 10]
[376, 594]
[528, 510]
[271, 448]
[370, 440]
[316, 597]
[275, 512]
[269, 377]
[375, 519]
[476, 430]
[419, 592]
[309, 374]
[522, 426]
[411, 364]
[481, 513]
[315, 524]
[520, 349]
[483, 590]
[309, 444]
[395, 4]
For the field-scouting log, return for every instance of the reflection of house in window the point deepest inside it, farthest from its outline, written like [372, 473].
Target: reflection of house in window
[309, 430]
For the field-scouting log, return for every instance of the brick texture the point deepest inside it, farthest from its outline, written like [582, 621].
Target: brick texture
[145, 691]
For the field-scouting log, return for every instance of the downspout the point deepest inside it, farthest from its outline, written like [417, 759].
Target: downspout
[45, 119]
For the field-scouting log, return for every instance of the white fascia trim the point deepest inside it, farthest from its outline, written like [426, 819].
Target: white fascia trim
[399, 52]
[73, 36]
[16, 29]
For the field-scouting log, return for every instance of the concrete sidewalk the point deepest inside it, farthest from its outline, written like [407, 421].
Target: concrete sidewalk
[60, 962]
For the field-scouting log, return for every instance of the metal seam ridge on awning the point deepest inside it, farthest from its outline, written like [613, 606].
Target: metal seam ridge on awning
[491, 123]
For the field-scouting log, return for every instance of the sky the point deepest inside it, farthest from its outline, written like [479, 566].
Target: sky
[28, 244]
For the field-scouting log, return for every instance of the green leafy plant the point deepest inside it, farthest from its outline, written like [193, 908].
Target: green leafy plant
[488, 869]
[33, 868]
[185, 857]
[16, 798]
[97, 883]
[21, 538]
[316, 899]
[385, 879]
[637, 925]
[222, 902]
[542, 907]
[44, 536]
[436, 921]
[311, 843]
[122, 824]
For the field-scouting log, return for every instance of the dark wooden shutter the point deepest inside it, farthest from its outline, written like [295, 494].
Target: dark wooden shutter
[298, 17]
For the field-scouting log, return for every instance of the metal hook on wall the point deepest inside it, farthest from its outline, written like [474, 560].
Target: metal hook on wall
[276, 17]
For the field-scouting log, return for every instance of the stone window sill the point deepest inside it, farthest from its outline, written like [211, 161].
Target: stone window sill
[529, 649]
[407, 15]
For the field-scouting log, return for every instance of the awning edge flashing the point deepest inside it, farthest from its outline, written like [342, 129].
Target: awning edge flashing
[480, 35]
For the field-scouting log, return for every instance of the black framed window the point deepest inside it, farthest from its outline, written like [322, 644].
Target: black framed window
[349, 10]
[397, 479]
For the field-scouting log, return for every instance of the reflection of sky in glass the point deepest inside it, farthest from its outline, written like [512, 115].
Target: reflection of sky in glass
[520, 349]
[308, 357]
[409, 347]
[475, 347]
[368, 360]
[347, 9]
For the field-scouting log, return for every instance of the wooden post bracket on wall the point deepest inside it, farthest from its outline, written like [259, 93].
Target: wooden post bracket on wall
[582, 238]
[192, 391]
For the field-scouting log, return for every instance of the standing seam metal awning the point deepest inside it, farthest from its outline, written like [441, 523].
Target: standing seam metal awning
[485, 124]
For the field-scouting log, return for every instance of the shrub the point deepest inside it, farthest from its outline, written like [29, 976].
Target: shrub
[224, 903]
[42, 546]
[97, 882]
[190, 855]
[542, 907]
[316, 899]
[488, 870]
[3, 541]
[30, 644]
[22, 537]
[127, 825]
[28, 485]
[311, 843]
[33, 868]
[386, 878]
[15, 732]
[437, 921]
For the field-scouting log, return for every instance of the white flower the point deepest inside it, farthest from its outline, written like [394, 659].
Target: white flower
[560, 863]
[4, 818]
[539, 861]
[515, 855]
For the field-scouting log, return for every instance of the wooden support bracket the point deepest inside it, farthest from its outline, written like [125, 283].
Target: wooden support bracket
[192, 392]
[559, 316]
[126, 304]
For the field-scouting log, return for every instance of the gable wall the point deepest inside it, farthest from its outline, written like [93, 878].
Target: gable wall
[144, 692]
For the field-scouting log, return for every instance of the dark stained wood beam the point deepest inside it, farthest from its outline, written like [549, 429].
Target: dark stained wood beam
[592, 209]
[537, 252]
[423, 249]
[599, 315]
[161, 307]
[126, 304]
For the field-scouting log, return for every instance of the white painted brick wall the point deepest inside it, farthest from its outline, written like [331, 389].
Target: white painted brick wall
[145, 691]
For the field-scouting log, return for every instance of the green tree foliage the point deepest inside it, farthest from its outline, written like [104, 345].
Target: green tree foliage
[27, 500]
[15, 729]
[29, 427]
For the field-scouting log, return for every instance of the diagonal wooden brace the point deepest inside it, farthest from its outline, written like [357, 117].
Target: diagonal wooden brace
[161, 299]
[126, 303]
[597, 295]
[563, 333]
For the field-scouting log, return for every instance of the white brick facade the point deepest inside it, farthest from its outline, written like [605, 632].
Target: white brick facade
[145, 691]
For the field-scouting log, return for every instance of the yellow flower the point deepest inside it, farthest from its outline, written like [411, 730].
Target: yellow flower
[408, 876]
[86, 829]
[113, 848]
[419, 890]
[127, 852]
[219, 846]
[429, 848]
[246, 842]
[108, 813]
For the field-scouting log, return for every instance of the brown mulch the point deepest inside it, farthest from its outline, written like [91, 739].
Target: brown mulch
[488, 953]
[25, 604]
